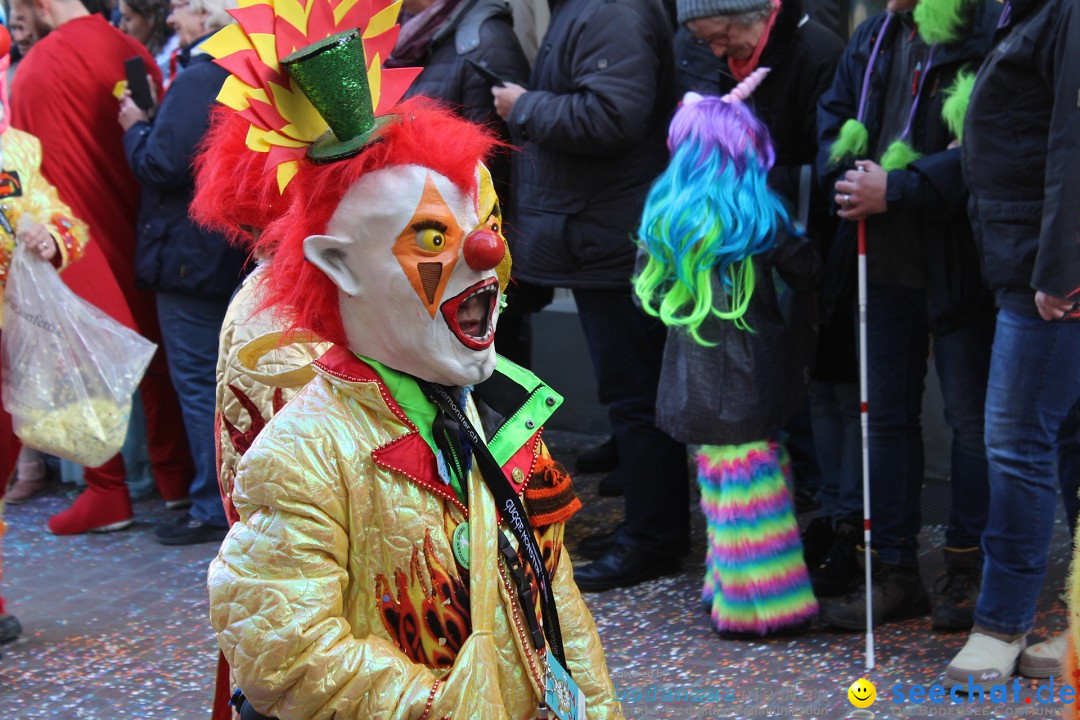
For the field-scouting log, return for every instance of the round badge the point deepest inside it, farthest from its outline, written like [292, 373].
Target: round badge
[459, 543]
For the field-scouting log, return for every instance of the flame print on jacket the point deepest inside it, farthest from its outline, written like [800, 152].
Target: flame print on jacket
[241, 441]
[426, 611]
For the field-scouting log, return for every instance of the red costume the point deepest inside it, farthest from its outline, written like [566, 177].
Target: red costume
[66, 89]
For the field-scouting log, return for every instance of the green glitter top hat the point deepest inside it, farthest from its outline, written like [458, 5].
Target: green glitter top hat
[332, 75]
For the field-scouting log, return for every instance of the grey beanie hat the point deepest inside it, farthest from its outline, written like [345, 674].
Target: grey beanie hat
[694, 9]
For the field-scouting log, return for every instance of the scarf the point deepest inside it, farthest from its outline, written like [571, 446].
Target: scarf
[417, 32]
[741, 69]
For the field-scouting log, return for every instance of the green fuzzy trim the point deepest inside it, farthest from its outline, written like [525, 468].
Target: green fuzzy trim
[941, 21]
[955, 106]
[898, 156]
[852, 142]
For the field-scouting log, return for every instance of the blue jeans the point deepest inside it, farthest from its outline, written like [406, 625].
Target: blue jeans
[898, 336]
[190, 327]
[834, 408]
[1032, 419]
[627, 348]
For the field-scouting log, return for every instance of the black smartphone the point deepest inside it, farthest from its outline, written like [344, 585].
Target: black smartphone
[485, 72]
[137, 83]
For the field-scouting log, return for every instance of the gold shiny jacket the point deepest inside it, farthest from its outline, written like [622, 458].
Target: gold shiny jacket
[337, 594]
[25, 192]
[256, 376]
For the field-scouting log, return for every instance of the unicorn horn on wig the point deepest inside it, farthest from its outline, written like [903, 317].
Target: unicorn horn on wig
[740, 92]
[724, 123]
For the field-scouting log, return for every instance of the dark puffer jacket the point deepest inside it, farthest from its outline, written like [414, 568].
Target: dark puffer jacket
[1022, 155]
[481, 31]
[594, 128]
[172, 253]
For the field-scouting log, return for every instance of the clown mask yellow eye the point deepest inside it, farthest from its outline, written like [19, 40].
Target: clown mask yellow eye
[430, 236]
[494, 221]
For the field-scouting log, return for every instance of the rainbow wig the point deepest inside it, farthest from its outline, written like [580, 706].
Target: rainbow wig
[710, 211]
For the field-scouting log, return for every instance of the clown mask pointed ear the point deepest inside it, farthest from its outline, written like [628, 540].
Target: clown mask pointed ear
[328, 253]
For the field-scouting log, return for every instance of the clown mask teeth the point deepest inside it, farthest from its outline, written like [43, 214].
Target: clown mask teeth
[469, 315]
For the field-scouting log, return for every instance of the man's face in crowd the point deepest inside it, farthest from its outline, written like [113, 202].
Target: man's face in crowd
[33, 18]
[726, 37]
[21, 35]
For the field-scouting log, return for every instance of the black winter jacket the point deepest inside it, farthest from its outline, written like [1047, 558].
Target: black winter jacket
[481, 31]
[1022, 155]
[172, 253]
[594, 127]
[749, 384]
[931, 189]
[801, 55]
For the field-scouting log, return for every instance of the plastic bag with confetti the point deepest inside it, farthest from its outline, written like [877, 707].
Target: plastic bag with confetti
[69, 370]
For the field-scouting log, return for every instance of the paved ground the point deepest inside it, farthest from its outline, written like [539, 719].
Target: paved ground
[116, 627]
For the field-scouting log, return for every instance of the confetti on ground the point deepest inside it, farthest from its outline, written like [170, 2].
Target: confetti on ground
[117, 626]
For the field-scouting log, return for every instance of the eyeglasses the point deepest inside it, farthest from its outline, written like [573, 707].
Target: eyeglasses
[715, 41]
[718, 35]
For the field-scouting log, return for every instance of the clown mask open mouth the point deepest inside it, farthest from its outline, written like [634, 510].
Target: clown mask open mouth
[469, 315]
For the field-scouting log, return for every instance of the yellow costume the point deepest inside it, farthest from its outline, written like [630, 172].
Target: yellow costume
[255, 378]
[337, 595]
[38, 202]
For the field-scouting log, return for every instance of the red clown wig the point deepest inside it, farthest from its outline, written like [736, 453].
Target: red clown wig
[235, 194]
[427, 135]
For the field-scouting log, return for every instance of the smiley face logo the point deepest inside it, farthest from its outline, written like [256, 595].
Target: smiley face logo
[862, 693]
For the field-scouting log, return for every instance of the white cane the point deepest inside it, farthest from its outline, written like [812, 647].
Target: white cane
[864, 416]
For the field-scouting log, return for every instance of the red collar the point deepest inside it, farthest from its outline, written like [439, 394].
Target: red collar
[409, 454]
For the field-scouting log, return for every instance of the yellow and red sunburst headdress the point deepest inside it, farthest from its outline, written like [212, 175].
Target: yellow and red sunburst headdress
[308, 75]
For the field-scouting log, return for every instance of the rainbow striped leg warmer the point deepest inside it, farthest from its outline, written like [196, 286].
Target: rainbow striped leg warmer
[755, 577]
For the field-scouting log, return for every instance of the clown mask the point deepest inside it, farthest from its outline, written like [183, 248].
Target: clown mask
[414, 258]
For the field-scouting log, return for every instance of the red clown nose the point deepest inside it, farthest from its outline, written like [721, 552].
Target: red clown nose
[5, 41]
[483, 249]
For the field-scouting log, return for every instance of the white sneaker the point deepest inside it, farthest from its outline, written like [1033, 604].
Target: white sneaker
[984, 661]
[1045, 659]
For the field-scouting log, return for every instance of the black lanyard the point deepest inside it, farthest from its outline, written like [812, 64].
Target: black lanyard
[446, 432]
[513, 512]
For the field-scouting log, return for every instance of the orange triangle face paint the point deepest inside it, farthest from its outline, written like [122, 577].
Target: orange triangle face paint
[429, 247]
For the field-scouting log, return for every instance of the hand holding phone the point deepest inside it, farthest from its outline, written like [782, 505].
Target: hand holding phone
[484, 72]
[488, 74]
[138, 84]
